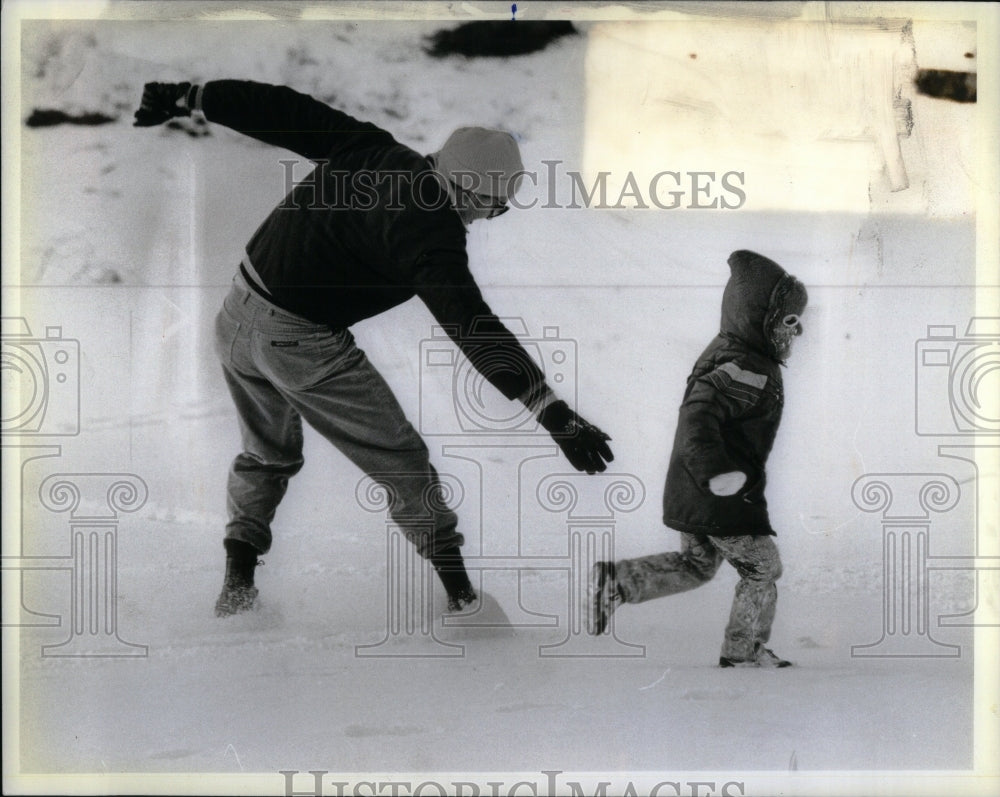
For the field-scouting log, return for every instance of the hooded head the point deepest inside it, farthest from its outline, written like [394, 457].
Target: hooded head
[762, 304]
[483, 168]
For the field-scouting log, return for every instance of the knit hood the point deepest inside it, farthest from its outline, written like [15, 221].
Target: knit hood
[759, 291]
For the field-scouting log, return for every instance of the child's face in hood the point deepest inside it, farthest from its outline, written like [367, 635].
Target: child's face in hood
[762, 304]
[784, 318]
[782, 332]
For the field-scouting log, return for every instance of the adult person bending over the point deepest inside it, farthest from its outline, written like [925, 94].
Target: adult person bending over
[374, 224]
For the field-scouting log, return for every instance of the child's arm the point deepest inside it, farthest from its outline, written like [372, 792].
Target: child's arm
[714, 401]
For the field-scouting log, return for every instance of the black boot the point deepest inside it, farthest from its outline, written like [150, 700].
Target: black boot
[450, 568]
[238, 592]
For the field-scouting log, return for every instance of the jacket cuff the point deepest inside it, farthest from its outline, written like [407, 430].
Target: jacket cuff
[537, 398]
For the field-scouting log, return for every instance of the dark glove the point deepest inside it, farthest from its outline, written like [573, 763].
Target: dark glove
[162, 101]
[584, 445]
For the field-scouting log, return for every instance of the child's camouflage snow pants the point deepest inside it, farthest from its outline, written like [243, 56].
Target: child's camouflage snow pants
[756, 560]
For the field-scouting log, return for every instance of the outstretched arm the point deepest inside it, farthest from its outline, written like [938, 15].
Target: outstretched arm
[276, 115]
[451, 294]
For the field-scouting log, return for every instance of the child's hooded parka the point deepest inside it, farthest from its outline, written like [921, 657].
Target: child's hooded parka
[732, 405]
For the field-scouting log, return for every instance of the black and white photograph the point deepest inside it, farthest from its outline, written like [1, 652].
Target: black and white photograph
[494, 399]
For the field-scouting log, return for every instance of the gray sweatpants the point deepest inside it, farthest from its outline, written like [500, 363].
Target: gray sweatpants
[281, 368]
[756, 560]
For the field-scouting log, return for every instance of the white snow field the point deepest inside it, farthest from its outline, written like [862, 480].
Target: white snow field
[118, 678]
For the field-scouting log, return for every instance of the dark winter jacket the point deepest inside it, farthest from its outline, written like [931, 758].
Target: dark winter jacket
[732, 406]
[367, 230]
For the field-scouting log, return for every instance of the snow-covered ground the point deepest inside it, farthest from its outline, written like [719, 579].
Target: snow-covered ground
[128, 240]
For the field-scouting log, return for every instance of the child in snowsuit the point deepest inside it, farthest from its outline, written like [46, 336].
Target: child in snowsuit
[714, 494]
